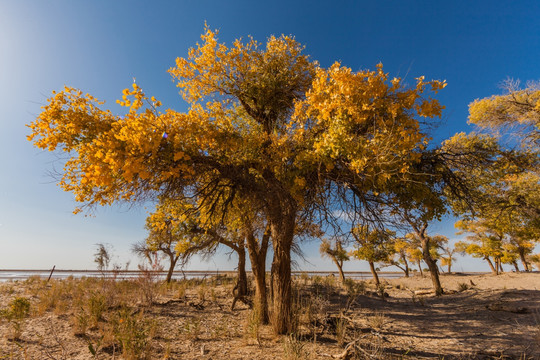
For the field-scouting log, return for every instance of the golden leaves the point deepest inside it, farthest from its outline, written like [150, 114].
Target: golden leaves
[366, 120]
[254, 110]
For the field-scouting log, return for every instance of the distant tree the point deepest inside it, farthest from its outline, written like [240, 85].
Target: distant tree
[336, 253]
[102, 256]
[401, 255]
[163, 237]
[534, 259]
[373, 246]
[481, 243]
[504, 221]
[447, 257]
[438, 244]
[522, 239]
[517, 111]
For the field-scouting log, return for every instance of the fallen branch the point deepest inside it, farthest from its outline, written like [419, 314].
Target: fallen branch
[351, 349]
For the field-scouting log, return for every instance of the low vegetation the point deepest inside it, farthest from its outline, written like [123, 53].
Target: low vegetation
[108, 319]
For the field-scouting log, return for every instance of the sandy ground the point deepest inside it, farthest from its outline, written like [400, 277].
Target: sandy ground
[479, 317]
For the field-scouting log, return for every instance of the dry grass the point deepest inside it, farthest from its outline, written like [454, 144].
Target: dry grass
[103, 319]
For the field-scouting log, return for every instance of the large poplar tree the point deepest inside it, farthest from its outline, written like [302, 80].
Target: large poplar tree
[265, 125]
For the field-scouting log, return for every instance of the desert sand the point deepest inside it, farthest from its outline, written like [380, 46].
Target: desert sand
[479, 317]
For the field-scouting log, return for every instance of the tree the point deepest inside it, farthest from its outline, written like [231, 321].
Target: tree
[507, 193]
[336, 253]
[374, 246]
[523, 247]
[516, 111]
[438, 246]
[447, 258]
[163, 237]
[428, 246]
[102, 256]
[265, 125]
[482, 243]
[195, 232]
[402, 252]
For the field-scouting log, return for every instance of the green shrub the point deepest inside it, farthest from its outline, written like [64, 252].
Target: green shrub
[17, 311]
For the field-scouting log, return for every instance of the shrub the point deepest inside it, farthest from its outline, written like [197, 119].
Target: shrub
[293, 348]
[97, 305]
[16, 312]
[134, 333]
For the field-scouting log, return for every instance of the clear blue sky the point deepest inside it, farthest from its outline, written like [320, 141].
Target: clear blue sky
[99, 46]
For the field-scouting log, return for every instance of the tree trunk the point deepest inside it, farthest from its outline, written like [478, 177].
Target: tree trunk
[258, 265]
[242, 276]
[450, 267]
[432, 265]
[404, 259]
[516, 266]
[493, 270]
[524, 260]
[374, 273]
[282, 297]
[282, 226]
[496, 261]
[402, 268]
[172, 265]
[257, 255]
[341, 274]
[261, 299]
[240, 290]
[500, 265]
[420, 268]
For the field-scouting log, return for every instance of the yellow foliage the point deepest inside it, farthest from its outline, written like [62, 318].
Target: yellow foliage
[259, 115]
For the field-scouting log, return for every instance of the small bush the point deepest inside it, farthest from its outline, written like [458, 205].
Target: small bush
[192, 328]
[19, 308]
[134, 333]
[355, 288]
[341, 330]
[201, 291]
[293, 348]
[253, 325]
[81, 321]
[17, 311]
[97, 305]
[148, 283]
[377, 321]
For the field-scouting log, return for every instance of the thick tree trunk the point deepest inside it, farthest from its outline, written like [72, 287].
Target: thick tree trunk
[173, 259]
[257, 255]
[282, 226]
[432, 265]
[258, 265]
[281, 283]
[242, 276]
[240, 290]
[374, 273]
[516, 267]
[449, 267]
[261, 299]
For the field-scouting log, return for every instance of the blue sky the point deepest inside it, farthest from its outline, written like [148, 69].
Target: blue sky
[99, 46]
